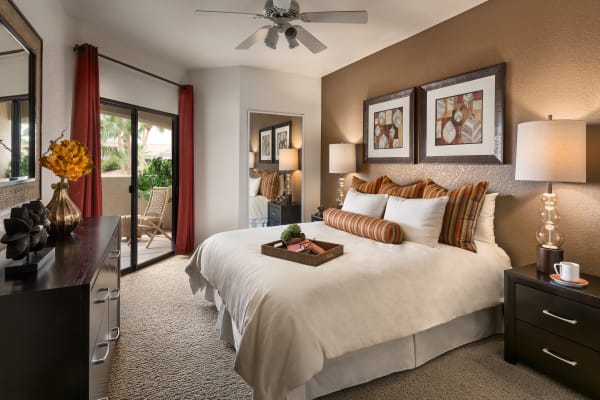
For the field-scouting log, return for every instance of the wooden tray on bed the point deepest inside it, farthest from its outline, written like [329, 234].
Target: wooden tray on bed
[332, 250]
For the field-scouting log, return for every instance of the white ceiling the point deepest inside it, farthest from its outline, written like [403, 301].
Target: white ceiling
[171, 29]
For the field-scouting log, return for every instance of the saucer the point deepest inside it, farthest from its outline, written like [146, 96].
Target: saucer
[579, 284]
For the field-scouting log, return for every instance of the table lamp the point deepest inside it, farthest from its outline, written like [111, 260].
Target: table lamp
[342, 160]
[288, 161]
[550, 151]
[251, 160]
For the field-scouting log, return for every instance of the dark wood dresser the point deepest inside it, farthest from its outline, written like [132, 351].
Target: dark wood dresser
[553, 328]
[58, 328]
[283, 214]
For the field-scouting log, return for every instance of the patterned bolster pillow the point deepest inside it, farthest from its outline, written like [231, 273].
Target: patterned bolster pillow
[363, 225]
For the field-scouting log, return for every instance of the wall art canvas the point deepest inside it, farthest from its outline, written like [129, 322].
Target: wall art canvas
[282, 137]
[388, 128]
[461, 119]
[266, 145]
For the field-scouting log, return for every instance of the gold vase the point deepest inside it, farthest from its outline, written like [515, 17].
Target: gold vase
[64, 214]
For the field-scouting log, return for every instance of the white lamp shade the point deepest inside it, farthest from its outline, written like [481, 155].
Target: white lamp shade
[251, 159]
[551, 151]
[288, 159]
[342, 158]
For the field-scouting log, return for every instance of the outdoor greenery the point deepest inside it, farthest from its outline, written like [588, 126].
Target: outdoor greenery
[158, 172]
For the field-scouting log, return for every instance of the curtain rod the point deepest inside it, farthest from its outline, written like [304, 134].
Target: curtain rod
[134, 68]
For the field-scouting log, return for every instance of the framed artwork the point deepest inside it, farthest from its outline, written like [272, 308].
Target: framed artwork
[388, 128]
[266, 145]
[461, 119]
[281, 134]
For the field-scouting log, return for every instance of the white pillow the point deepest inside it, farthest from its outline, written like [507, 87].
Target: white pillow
[253, 185]
[484, 231]
[421, 219]
[372, 205]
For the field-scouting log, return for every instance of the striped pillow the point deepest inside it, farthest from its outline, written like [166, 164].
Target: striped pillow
[269, 186]
[414, 191]
[365, 226]
[462, 212]
[369, 187]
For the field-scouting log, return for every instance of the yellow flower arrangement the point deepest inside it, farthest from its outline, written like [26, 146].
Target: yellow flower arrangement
[68, 159]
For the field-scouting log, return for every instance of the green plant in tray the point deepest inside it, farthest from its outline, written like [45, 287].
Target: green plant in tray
[291, 232]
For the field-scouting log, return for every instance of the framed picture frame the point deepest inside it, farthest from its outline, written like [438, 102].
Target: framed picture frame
[265, 147]
[388, 128]
[461, 118]
[281, 137]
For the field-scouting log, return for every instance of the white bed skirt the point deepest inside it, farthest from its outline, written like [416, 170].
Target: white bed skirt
[380, 360]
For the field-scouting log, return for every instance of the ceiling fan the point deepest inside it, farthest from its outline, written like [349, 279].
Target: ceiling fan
[281, 13]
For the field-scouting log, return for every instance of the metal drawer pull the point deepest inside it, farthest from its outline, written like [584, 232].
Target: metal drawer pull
[103, 298]
[115, 294]
[571, 363]
[570, 321]
[101, 360]
[115, 254]
[116, 336]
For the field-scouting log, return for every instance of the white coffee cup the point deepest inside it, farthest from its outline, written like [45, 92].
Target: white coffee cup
[568, 271]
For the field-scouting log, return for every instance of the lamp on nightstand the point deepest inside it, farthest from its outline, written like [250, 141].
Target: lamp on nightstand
[342, 160]
[288, 161]
[251, 159]
[550, 151]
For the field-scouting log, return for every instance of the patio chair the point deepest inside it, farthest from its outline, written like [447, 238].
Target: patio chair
[150, 223]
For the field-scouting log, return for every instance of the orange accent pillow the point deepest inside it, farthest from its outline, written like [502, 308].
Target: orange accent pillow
[461, 214]
[369, 187]
[363, 225]
[269, 186]
[414, 191]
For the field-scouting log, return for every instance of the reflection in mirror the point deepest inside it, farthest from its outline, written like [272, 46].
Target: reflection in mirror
[16, 162]
[20, 108]
[267, 132]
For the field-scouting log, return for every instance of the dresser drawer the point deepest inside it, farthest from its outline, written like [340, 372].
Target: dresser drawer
[558, 357]
[575, 321]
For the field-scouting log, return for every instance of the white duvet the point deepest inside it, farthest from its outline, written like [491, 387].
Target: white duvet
[292, 317]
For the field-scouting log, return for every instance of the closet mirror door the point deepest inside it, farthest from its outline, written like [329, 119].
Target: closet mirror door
[274, 167]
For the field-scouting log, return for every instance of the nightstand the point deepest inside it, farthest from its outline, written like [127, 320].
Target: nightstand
[283, 214]
[316, 217]
[553, 328]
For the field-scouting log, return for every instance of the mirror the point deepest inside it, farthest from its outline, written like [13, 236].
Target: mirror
[20, 105]
[268, 132]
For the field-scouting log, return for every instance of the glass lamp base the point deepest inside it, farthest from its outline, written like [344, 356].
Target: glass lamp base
[546, 258]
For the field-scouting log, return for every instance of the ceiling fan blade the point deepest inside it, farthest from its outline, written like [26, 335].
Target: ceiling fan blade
[340, 17]
[202, 12]
[259, 35]
[307, 39]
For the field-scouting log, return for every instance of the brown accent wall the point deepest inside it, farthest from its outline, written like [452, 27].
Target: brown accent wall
[552, 51]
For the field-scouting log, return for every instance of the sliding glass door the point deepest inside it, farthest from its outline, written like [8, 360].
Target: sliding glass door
[139, 182]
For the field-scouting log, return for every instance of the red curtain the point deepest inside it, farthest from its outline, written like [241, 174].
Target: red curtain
[85, 127]
[185, 208]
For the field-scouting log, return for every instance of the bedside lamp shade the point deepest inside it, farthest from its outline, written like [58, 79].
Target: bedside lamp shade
[251, 159]
[288, 159]
[551, 151]
[342, 158]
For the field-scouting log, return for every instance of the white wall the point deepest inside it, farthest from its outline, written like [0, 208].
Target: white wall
[223, 97]
[216, 148]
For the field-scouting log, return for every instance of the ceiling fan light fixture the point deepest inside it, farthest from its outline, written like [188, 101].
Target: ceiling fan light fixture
[272, 37]
[292, 42]
[290, 33]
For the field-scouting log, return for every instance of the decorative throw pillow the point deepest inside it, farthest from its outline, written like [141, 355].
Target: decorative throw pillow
[462, 212]
[372, 205]
[421, 219]
[368, 187]
[365, 226]
[269, 186]
[255, 173]
[484, 231]
[414, 191]
[253, 185]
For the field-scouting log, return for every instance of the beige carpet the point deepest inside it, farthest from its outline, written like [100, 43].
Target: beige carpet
[169, 349]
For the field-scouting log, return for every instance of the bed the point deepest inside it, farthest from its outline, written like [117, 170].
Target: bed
[301, 332]
[258, 213]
